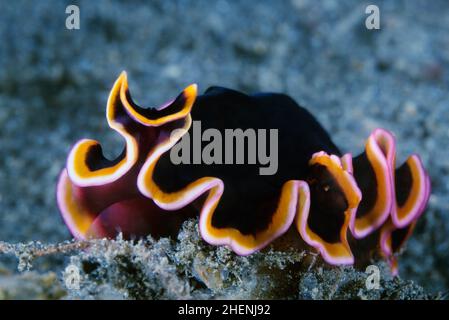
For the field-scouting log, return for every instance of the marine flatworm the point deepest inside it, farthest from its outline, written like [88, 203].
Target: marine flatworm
[329, 197]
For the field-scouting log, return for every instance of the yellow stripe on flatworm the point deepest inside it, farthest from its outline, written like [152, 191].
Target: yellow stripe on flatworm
[344, 179]
[209, 184]
[252, 242]
[383, 194]
[249, 242]
[335, 250]
[333, 164]
[189, 94]
[79, 217]
[78, 154]
[80, 166]
[418, 182]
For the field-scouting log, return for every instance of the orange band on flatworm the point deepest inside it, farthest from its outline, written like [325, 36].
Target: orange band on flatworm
[246, 244]
[344, 178]
[77, 163]
[93, 187]
[214, 187]
[75, 214]
[121, 113]
[187, 96]
[337, 252]
[99, 197]
[391, 240]
[372, 173]
[412, 188]
[410, 181]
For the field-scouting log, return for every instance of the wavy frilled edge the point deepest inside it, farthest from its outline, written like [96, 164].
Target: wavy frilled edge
[393, 237]
[333, 253]
[372, 173]
[77, 162]
[89, 174]
[214, 188]
[410, 178]
[402, 193]
[409, 183]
